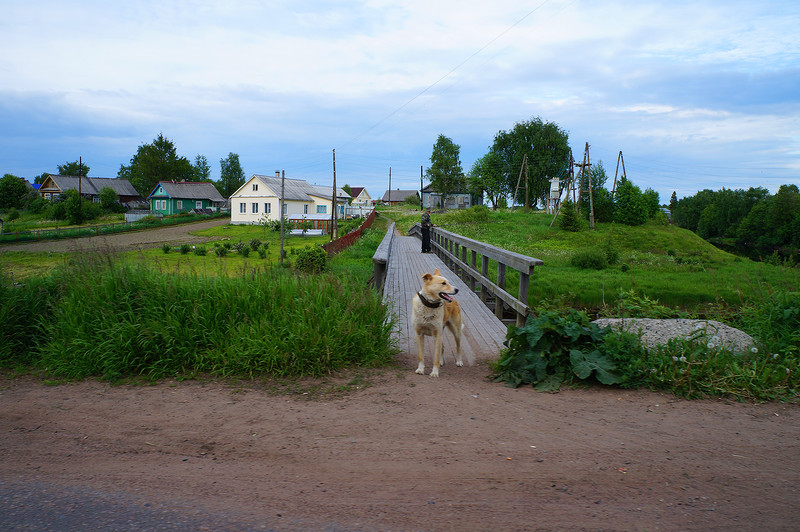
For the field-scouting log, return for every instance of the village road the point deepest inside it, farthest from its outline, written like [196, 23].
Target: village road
[130, 240]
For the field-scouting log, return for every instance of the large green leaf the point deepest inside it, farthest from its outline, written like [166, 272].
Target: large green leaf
[584, 363]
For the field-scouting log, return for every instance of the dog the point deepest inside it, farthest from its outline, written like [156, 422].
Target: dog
[433, 309]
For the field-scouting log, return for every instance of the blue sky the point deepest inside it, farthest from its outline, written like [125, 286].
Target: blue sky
[695, 94]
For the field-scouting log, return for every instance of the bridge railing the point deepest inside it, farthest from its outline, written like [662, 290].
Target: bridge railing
[460, 254]
[381, 258]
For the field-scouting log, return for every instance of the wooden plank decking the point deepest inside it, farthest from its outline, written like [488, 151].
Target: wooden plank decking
[483, 334]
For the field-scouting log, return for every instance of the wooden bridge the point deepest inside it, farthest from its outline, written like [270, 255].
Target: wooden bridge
[399, 266]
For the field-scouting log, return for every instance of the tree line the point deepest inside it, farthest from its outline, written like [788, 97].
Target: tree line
[753, 217]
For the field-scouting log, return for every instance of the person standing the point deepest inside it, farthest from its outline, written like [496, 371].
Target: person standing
[426, 232]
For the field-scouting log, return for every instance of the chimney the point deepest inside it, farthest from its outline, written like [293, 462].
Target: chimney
[277, 173]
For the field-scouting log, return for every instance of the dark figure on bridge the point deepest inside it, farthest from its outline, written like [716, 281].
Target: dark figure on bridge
[426, 232]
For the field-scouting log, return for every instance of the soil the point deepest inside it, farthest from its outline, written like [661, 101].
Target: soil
[390, 450]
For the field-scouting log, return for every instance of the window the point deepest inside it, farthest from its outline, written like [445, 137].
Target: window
[255, 208]
[255, 187]
[198, 204]
[322, 209]
[285, 209]
[179, 205]
[268, 208]
[305, 209]
[243, 208]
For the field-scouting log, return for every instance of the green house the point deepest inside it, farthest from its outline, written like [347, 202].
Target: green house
[169, 197]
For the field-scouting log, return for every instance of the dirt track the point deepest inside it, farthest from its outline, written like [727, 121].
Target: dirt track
[398, 452]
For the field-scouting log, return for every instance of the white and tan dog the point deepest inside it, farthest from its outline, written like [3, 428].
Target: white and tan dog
[433, 309]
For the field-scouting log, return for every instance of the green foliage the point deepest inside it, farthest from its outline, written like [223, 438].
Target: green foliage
[445, 173]
[12, 190]
[568, 218]
[166, 248]
[547, 148]
[220, 251]
[108, 198]
[74, 168]
[551, 350]
[200, 251]
[13, 214]
[255, 244]
[231, 175]
[185, 249]
[592, 258]
[155, 162]
[631, 207]
[486, 178]
[312, 259]
[98, 318]
[201, 171]
[775, 320]
[412, 200]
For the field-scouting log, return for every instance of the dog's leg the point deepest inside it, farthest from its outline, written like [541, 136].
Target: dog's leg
[437, 354]
[421, 354]
[456, 330]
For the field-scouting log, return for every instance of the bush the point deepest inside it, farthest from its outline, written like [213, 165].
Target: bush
[185, 249]
[255, 244]
[592, 258]
[13, 214]
[221, 251]
[166, 248]
[568, 219]
[550, 350]
[200, 251]
[245, 251]
[312, 259]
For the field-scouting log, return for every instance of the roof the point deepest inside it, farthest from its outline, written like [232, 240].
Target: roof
[355, 191]
[189, 190]
[298, 189]
[93, 185]
[398, 195]
[429, 189]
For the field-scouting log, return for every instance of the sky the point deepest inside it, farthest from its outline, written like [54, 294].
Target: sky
[694, 95]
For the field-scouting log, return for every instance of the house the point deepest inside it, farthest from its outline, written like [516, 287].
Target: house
[89, 187]
[394, 197]
[170, 197]
[455, 200]
[361, 197]
[258, 200]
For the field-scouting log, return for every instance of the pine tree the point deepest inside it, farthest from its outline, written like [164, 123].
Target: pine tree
[569, 220]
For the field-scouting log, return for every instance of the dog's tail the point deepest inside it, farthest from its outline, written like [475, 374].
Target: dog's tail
[469, 356]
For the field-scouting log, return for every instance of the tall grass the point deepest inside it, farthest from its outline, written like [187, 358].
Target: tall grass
[112, 320]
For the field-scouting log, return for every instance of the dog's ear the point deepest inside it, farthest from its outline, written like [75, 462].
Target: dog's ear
[428, 276]
[437, 272]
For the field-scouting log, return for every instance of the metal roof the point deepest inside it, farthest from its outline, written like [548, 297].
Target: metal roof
[190, 191]
[93, 185]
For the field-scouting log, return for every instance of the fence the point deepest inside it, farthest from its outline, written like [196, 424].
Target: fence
[381, 258]
[452, 249]
[335, 246]
[96, 230]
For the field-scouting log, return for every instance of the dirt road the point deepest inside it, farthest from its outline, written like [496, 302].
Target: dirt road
[403, 452]
[150, 238]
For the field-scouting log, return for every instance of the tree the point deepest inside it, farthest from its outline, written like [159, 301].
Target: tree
[673, 201]
[41, 178]
[486, 178]
[630, 205]
[153, 163]
[12, 190]
[231, 175]
[547, 148]
[73, 169]
[445, 173]
[568, 221]
[601, 197]
[201, 172]
[349, 192]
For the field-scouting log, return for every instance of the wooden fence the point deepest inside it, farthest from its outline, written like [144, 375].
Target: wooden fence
[335, 246]
[460, 255]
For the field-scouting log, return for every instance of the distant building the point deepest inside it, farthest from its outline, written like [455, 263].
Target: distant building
[394, 197]
[170, 197]
[455, 200]
[259, 200]
[89, 187]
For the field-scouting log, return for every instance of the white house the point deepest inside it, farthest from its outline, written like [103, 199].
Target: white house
[258, 200]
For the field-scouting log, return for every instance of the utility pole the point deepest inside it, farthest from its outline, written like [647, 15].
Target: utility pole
[283, 188]
[514, 197]
[80, 174]
[334, 229]
[421, 194]
[588, 167]
[389, 198]
[619, 159]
